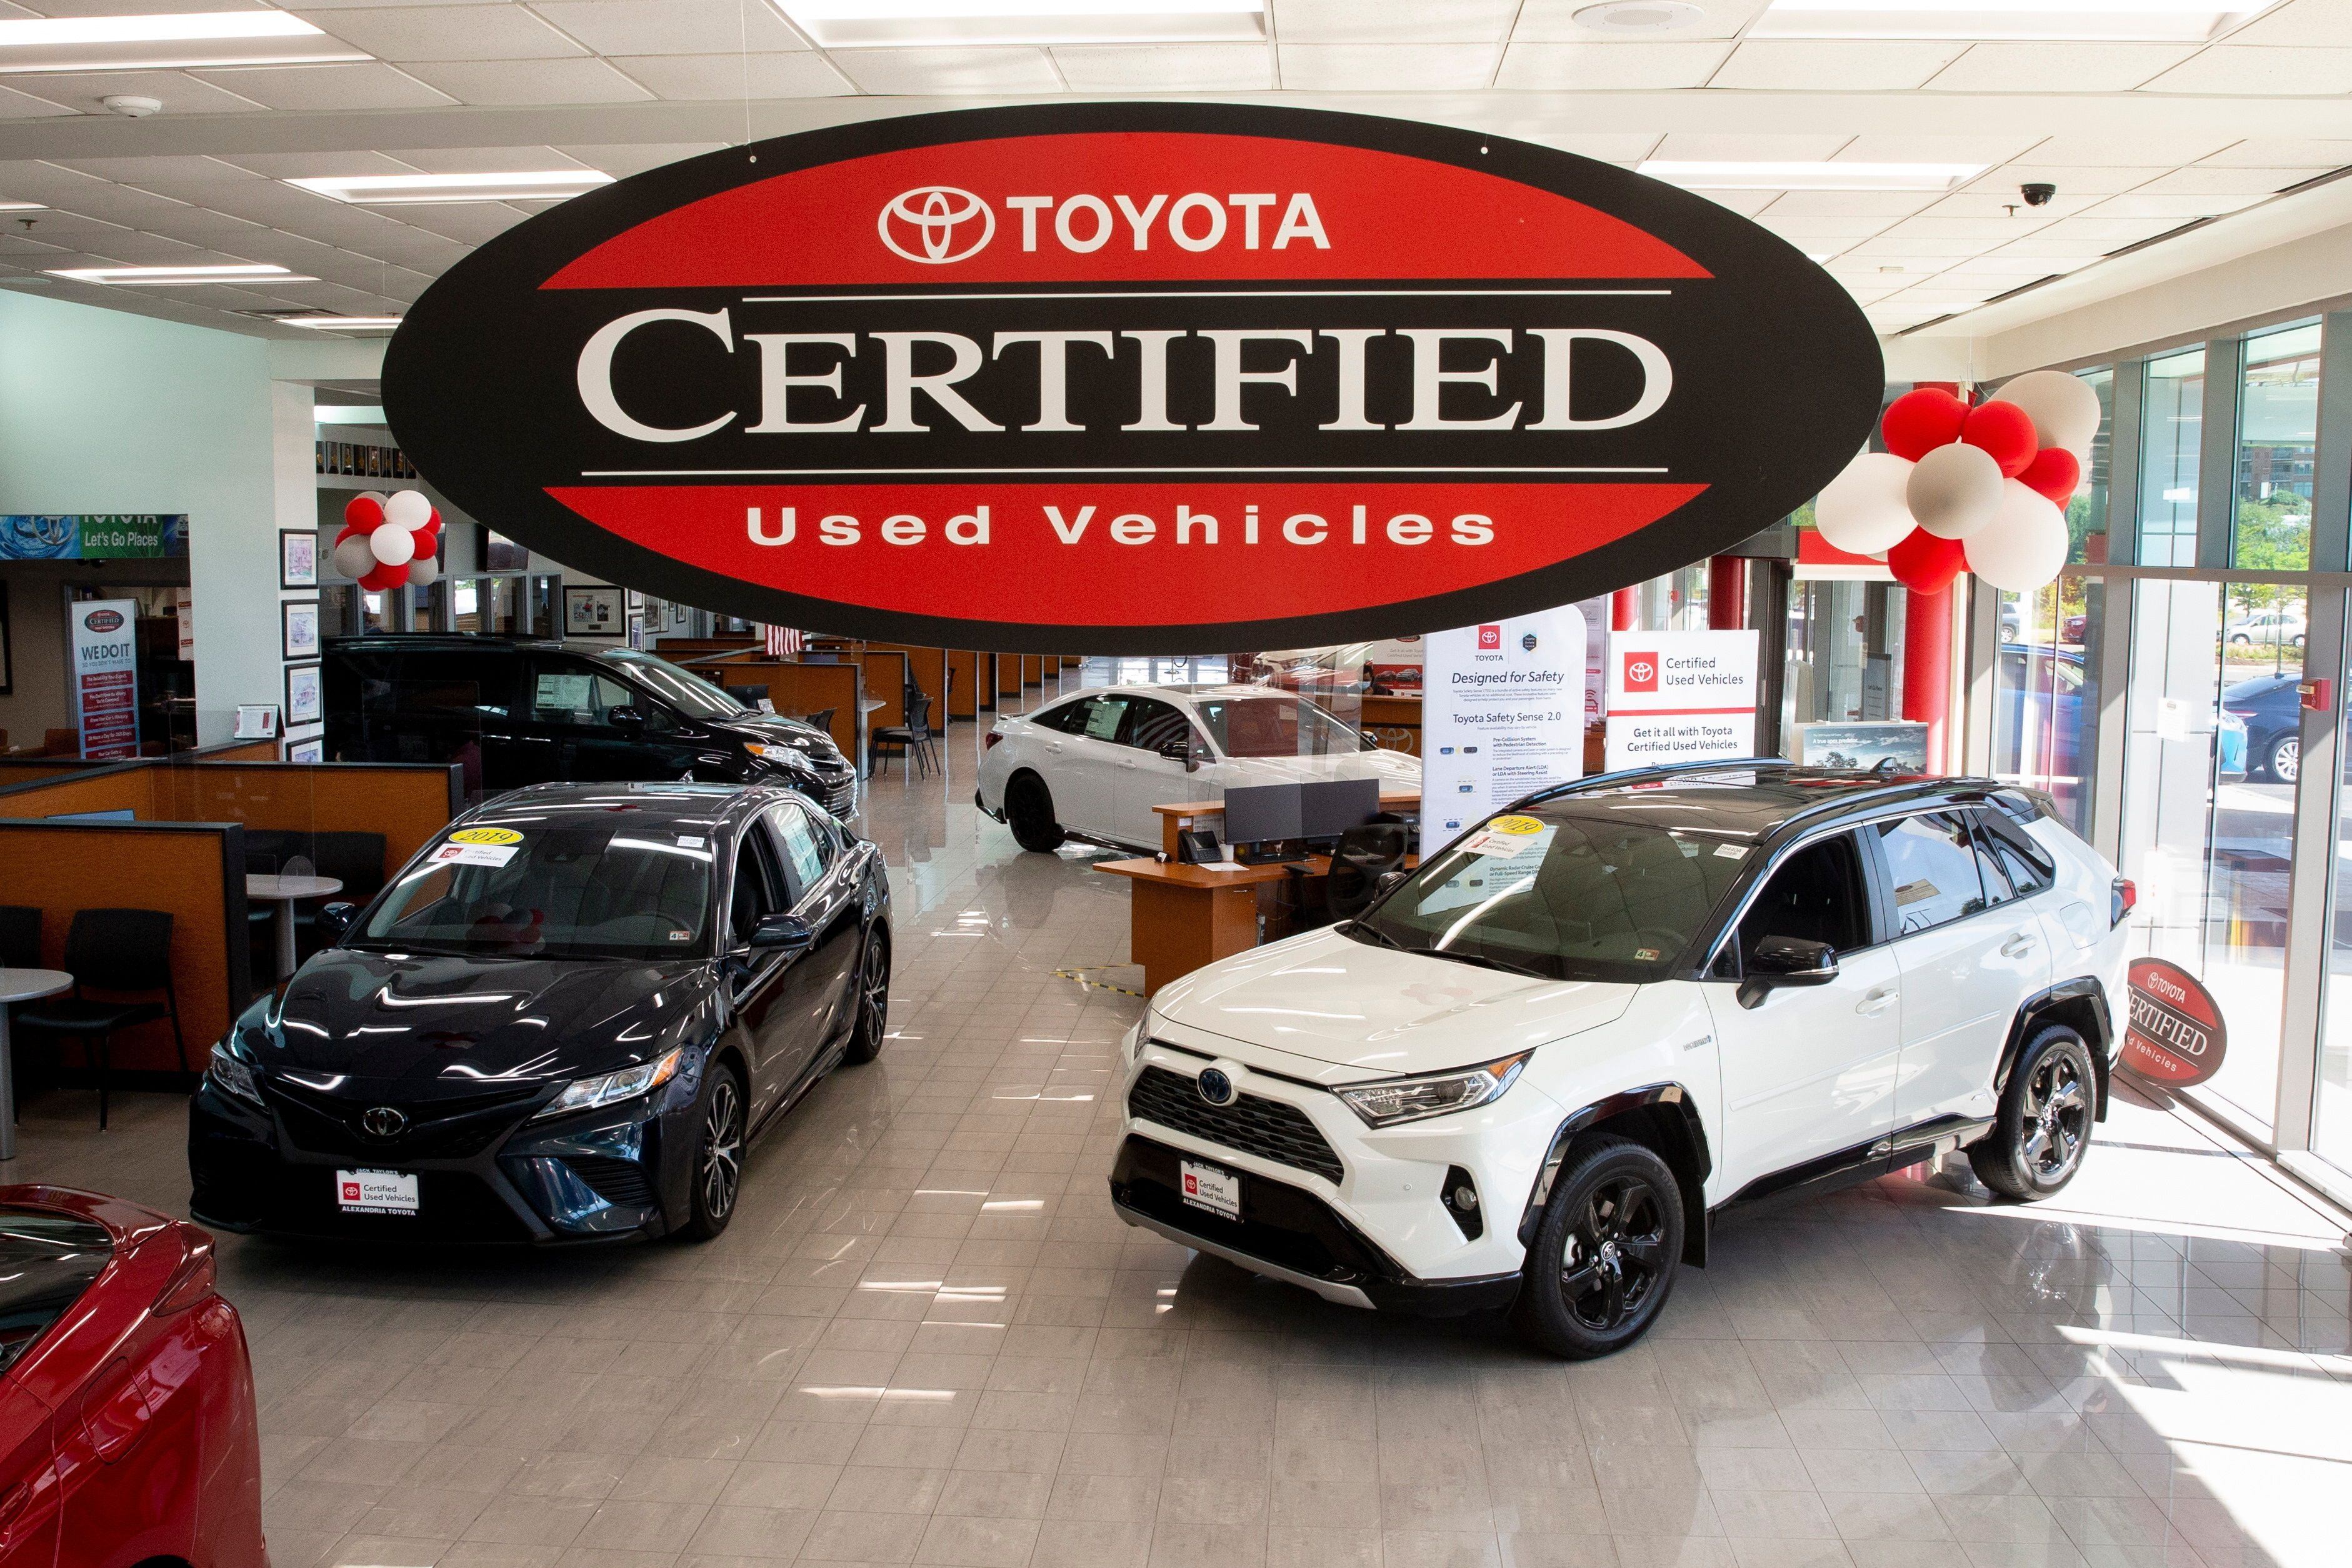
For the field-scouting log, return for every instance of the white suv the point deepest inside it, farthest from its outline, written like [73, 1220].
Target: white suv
[1537, 1068]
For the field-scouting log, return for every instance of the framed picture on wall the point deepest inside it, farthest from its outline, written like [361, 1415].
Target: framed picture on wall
[301, 618]
[298, 557]
[592, 612]
[311, 750]
[306, 695]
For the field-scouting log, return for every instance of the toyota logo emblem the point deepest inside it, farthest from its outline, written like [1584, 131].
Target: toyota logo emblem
[931, 217]
[1640, 670]
[1215, 1087]
[383, 1122]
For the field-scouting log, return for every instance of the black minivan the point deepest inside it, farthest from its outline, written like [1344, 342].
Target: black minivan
[515, 710]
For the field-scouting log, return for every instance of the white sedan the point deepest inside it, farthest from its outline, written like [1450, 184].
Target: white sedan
[1094, 765]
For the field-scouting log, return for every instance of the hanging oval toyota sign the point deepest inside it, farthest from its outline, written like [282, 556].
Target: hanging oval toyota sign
[1132, 378]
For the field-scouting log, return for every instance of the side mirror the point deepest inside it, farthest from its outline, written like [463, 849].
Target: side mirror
[335, 919]
[1786, 961]
[1181, 750]
[1387, 880]
[787, 933]
[625, 717]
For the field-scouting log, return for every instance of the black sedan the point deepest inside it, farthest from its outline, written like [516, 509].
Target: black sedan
[2271, 709]
[562, 1021]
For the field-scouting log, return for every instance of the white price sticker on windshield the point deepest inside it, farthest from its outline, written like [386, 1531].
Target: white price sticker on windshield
[1501, 846]
[473, 854]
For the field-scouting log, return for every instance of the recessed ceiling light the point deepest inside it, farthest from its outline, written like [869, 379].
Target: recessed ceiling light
[239, 272]
[1811, 176]
[2168, 21]
[1639, 16]
[341, 323]
[896, 24]
[402, 190]
[181, 39]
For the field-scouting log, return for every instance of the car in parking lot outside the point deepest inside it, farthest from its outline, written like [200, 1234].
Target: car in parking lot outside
[2267, 628]
[128, 1435]
[562, 1021]
[1094, 765]
[1533, 1072]
[2269, 707]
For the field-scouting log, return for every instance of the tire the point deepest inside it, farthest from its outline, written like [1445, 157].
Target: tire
[2043, 1126]
[2241, 639]
[2285, 760]
[715, 1181]
[1029, 809]
[1605, 1257]
[873, 1000]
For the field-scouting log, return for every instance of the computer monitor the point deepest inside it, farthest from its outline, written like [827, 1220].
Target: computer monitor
[1262, 813]
[1330, 807]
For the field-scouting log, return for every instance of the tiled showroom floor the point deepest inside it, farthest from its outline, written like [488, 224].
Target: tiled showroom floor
[926, 1339]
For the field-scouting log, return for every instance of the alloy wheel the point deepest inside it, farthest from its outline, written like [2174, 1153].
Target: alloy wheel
[875, 999]
[722, 1148]
[1615, 1255]
[2287, 759]
[2057, 1116]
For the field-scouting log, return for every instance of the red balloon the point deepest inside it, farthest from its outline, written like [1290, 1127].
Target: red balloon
[364, 513]
[433, 523]
[2005, 431]
[1919, 422]
[351, 531]
[1925, 563]
[383, 577]
[2055, 472]
[427, 541]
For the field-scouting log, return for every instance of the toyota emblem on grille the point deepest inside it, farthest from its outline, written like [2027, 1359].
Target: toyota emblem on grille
[383, 1122]
[1215, 1087]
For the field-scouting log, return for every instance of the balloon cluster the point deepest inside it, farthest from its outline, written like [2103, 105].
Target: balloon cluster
[388, 539]
[1963, 488]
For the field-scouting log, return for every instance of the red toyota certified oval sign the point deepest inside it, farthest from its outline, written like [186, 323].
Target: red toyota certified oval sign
[103, 619]
[2176, 1035]
[1132, 378]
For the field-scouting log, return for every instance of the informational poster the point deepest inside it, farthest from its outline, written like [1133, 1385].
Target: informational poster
[1680, 696]
[78, 536]
[1502, 716]
[106, 676]
[1895, 745]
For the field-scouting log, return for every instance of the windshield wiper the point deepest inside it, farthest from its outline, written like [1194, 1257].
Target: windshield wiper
[1379, 935]
[1483, 961]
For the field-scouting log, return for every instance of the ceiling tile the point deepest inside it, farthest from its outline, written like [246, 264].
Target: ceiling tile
[449, 33]
[1712, 147]
[200, 225]
[1814, 65]
[2143, 148]
[960, 70]
[1555, 21]
[326, 89]
[2300, 22]
[805, 74]
[622, 162]
[1987, 232]
[1565, 68]
[1626, 147]
[1901, 147]
[1905, 245]
[1167, 67]
[2005, 200]
[2109, 234]
[181, 94]
[2179, 205]
[2070, 179]
[1747, 203]
[2058, 68]
[2235, 177]
[531, 81]
[2264, 73]
[472, 222]
[1392, 21]
[296, 165]
[166, 176]
[480, 160]
[21, 106]
[2287, 152]
[673, 26]
[1886, 204]
[1388, 68]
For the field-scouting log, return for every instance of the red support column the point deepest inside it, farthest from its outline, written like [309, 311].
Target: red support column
[1727, 593]
[1625, 609]
[1927, 669]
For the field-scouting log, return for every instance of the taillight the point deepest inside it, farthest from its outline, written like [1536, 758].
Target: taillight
[992, 738]
[2126, 896]
[195, 1277]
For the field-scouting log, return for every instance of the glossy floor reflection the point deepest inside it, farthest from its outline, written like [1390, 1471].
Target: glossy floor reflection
[926, 1339]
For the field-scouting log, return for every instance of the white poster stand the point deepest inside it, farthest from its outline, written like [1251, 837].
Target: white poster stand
[106, 676]
[1680, 696]
[1502, 715]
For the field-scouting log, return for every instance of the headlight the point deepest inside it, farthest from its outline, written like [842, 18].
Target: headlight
[611, 1088]
[782, 755]
[233, 1077]
[1413, 1099]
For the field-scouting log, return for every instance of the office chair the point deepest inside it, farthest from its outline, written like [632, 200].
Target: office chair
[114, 950]
[914, 738]
[1367, 852]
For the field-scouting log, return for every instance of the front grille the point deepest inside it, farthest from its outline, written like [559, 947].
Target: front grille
[1251, 1124]
[453, 1128]
[624, 1184]
[841, 800]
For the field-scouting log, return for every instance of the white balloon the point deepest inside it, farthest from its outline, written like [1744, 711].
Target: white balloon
[378, 497]
[2023, 546]
[409, 509]
[1954, 490]
[1861, 511]
[354, 558]
[422, 569]
[393, 545]
[2064, 410]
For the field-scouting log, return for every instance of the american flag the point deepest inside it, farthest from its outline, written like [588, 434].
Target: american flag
[783, 642]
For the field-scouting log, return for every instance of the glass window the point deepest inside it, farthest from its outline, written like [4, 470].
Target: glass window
[47, 1262]
[570, 691]
[2278, 434]
[1101, 717]
[805, 856]
[2172, 423]
[754, 891]
[688, 693]
[2009, 860]
[1151, 724]
[603, 890]
[1844, 658]
[2086, 513]
[1931, 866]
[1276, 726]
[2045, 697]
[1817, 895]
[2331, 1120]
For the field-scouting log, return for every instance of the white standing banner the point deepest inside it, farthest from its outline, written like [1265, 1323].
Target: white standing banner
[1502, 714]
[106, 676]
[1680, 696]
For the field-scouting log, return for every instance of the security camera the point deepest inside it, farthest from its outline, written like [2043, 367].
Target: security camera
[132, 108]
[2037, 194]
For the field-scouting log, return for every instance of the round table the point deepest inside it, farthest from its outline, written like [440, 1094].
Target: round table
[283, 890]
[19, 986]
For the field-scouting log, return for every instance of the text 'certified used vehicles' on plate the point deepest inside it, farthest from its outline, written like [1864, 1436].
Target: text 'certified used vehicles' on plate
[563, 1020]
[1531, 1072]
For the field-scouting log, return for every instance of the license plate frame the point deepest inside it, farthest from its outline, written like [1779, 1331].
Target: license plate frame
[369, 1191]
[1211, 1188]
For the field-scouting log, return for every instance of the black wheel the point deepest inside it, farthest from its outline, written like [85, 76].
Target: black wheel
[873, 1000]
[1605, 1255]
[2043, 1125]
[2285, 760]
[718, 1175]
[1029, 808]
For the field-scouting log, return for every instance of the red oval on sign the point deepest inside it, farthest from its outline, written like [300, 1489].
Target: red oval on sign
[103, 619]
[2175, 1035]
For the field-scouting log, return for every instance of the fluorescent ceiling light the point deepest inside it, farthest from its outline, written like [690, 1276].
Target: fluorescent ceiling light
[347, 413]
[2168, 21]
[1810, 176]
[22, 207]
[403, 190]
[186, 38]
[240, 272]
[341, 323]
[896, 24]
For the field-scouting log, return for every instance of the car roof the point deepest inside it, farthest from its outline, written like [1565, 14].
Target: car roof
[1771, 799]
[718, 805]
[471, 643]
[1189, 693]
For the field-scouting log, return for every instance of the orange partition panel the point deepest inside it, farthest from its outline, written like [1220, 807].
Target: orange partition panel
[241, 751]
[885, 681]
[1008, 675]
[15, 771]
[194, 870]
[125, 786]
[927, 672]
[407, 802]
[965, 672]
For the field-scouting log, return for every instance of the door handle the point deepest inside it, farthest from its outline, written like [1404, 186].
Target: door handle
[2017, 946]
[1876, 1001]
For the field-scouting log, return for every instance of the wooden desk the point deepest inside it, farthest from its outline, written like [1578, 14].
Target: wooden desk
[1175, 819]
[1184, 918]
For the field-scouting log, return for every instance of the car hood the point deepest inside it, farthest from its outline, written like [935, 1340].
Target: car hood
[445, 1025]
[1392, 768]
[772, 727]
[1378, 1012]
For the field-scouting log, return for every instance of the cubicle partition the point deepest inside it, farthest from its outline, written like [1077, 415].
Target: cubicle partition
[1008, 675]
[926, 671]
[967, 679]
[407, 802]
[799, 690]
[886, 671]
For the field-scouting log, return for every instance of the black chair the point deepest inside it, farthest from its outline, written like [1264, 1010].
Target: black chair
[910, 738]
[121, 950]
[1367, 852]
[20, 937]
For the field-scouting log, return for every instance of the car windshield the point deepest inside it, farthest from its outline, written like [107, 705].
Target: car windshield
[1608, 889]
[1276, 726]
[603, 890]
[47, 1262]
[690, 695]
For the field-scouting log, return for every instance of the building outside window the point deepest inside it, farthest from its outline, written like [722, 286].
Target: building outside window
[2172, 426]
